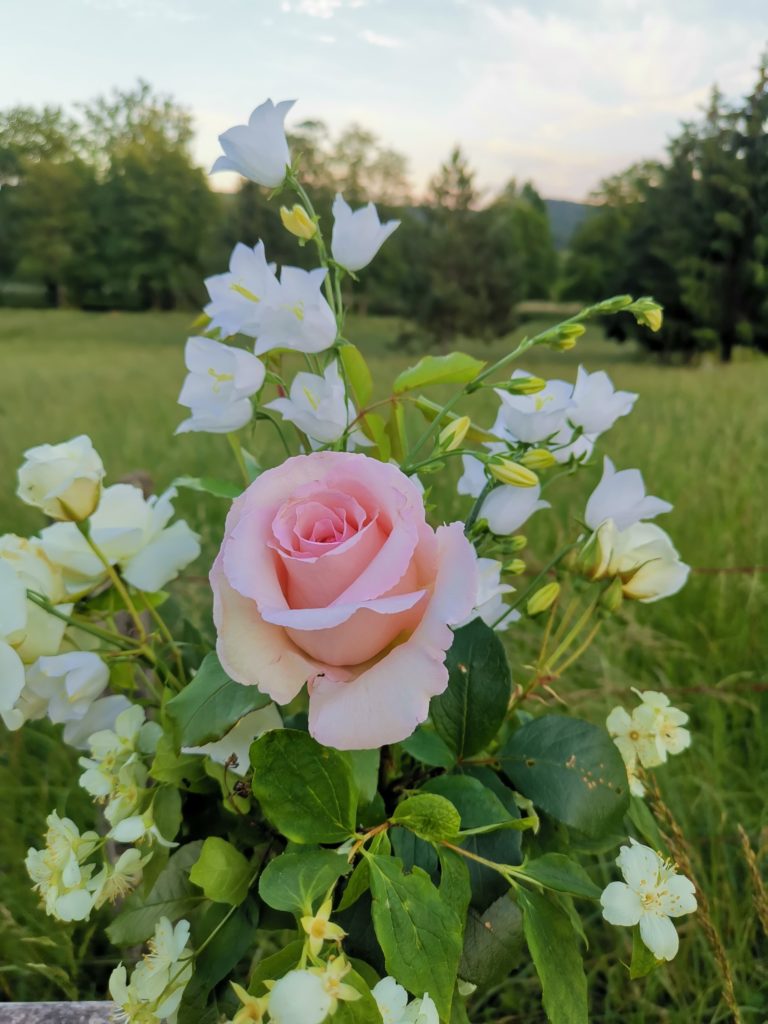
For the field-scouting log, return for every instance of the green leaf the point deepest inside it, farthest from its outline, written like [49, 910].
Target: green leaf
[172, 896]
[470, 712]
[232, 941]
[428, 816]
[209, 485]
[554, 948]
[357, 373]
[570, 769]
[185, 771]
[222, 872]
[478, 807]
[493, 943]
[166, 810]
[305, 790]
[365, 771]
[418, 932]
[454, 890]
[276, 966]
[211, 705]
[296, 881]
[426, 746]
[643, 960]
[360, 879]
[396, 431]
[358, 1011]
[558, 872]
[375, 428]
[455, 368]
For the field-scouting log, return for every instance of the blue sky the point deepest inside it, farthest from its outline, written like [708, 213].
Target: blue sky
[559, 91]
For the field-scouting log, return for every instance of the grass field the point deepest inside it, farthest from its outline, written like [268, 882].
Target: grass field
[699, 436]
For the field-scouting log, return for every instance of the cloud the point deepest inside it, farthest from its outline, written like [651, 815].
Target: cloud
[375, 39]
[319, 8]
[166, 10]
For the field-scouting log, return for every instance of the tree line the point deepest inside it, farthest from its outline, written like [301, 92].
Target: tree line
[105, 209]
[691, 230]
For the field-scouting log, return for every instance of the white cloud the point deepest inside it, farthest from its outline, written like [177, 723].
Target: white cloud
[319, 8]
[165, 10]
[375, 39]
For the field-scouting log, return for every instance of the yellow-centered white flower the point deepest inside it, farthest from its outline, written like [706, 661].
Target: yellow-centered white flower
[620, 496]
[159, 979]
[643, 558]
[59, 871]
[318, 406]
[651, 893]
[218, 387]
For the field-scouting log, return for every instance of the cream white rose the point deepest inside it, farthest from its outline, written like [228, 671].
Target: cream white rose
[64, 480]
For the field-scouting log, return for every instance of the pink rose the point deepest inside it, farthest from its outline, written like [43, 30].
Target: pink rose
[329, 574]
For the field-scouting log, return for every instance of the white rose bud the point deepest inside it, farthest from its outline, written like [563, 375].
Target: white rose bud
[64, 480]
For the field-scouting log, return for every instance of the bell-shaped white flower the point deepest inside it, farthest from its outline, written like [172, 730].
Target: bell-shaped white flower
[238, 295]
[132, 532]
[357, 235]
[644, 558]
[596, 403]
[533, 418]
[490, 606]
[67, 683]
[64, 480]
[218, 387]
[506, 508]
[318, 406]
[296, 315]
[258, 150]
[651, 893]
[300, 997]
[234, 747]
[621, 496]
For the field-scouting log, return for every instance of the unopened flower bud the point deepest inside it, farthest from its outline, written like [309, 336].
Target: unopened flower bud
[590, 561]
[512, 473]
[648, 313]
[523, 385]
[298, 222]
[566, 336]
[452, 435]
[515, 567]
[613, 596]
[543, 599]
[537, 459]
[516, 543]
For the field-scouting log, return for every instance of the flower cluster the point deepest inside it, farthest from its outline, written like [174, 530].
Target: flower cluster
[350, 756]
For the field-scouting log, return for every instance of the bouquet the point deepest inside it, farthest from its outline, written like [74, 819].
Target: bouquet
[344, 806]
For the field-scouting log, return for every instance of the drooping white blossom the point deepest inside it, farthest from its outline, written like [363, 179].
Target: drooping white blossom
[533, 418]
[258, 150]
[296, 314]
[64, 480]
[596, 403]
[357, 235]
[218, 387]
[490, 605]
[651, 893]
[621, 496]
[318, 406]
[133, 533]
[158, 981]
[60, 872]
[643, 558]
[506, 508]
[238, 296]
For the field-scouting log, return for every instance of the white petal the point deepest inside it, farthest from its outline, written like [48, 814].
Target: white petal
[659, 935]
[620, 904]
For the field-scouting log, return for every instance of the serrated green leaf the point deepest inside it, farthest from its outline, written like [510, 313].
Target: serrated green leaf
[222, 872]
[428, 816]
[554, 948]
[469, 713]
[210, 705]
[305, 790]
[558, 872]
[297, 881]
[172, 896]
[571, 769]
[418, 932]
[454, 368]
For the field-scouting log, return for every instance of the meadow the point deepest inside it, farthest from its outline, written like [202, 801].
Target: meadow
[699, 435]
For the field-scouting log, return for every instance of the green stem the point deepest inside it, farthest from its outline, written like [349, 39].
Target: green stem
[117, 583]
[234, 444]
[103, 634]
[536, 581]
[169, 639]
[475, 510]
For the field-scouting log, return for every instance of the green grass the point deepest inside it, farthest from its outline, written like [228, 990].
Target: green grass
[699, 437]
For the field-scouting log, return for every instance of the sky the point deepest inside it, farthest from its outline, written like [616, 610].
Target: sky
[562, 92]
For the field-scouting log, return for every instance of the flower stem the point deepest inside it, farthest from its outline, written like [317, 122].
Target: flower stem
[234, 444]
[117, 583]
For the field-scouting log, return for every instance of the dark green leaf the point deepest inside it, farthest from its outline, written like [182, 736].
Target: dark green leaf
[454, 882]
[455, 368]
[418, 932]
[426, 746]
[275, 966]
[297, 881]
[570, 769]
[211, 705]
[554, 948]
[172, 896]
[305, 790]
[428, 816]
[558, 872]
[166, 810]
[365, 772]
[493, 943]
[470, 712]
[230, 944]
[183, 770]
[222, 872]
[359, 1011]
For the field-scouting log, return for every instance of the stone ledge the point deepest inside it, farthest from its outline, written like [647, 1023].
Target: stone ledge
[55, 1013]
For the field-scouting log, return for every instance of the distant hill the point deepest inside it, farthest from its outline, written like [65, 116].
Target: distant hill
[564, 218]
